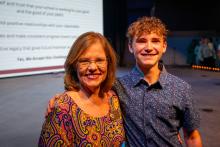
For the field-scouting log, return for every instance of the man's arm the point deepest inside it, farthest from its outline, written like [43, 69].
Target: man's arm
[51, 104]
[193, 138]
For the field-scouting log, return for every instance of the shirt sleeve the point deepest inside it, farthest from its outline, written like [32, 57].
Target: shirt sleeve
[56, 129]
[191, 117]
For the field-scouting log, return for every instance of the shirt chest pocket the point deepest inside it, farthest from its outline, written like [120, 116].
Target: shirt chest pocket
[163, 105]
[167, 111]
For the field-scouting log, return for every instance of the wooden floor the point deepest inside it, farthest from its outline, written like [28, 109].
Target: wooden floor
[23, 102]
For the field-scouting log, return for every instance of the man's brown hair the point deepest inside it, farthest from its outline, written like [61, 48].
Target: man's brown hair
[146, 25]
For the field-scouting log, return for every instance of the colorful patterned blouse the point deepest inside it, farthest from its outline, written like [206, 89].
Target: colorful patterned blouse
[68, 125]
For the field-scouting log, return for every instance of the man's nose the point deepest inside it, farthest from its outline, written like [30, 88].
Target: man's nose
[148, 45]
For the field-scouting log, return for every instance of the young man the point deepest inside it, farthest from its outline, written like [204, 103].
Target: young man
[155, 104]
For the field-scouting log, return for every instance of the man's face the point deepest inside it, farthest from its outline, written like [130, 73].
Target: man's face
[147, 50]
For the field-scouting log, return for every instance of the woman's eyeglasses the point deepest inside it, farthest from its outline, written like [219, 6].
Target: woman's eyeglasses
[86, 62]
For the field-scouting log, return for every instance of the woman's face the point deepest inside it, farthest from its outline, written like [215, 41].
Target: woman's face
[92, 67]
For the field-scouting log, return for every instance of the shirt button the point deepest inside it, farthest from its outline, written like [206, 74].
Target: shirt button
[147, 123]
[150, 143]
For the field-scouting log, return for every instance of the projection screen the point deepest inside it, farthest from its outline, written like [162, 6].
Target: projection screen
[36, 35]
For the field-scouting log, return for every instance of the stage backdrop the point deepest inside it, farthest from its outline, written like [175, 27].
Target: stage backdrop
[36, 35]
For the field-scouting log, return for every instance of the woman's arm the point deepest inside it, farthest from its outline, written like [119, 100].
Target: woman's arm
[54, 130]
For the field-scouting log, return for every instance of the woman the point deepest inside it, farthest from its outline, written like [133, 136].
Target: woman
[88, 112]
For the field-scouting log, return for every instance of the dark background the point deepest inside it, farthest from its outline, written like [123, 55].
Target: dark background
[179, 16]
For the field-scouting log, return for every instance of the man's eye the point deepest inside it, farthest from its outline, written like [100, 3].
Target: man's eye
[155, 40]
[141, 41]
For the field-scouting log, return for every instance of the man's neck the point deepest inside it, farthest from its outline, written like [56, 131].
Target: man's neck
[152, 74]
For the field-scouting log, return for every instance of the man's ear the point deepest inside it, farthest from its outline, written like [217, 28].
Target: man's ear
[164, 47]
[130, 47]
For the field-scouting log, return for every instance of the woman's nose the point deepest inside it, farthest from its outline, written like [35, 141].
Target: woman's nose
[92, 66]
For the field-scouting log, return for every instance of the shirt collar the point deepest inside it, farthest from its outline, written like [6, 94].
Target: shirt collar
[137, 77]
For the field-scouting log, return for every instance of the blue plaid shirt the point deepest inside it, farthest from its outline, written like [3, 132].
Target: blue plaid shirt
[153, 115]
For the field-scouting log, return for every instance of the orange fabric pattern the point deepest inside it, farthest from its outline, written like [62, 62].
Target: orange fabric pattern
[68, 125]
